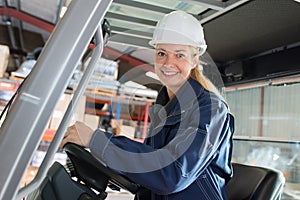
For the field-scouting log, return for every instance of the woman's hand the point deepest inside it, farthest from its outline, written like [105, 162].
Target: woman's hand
[79, 133]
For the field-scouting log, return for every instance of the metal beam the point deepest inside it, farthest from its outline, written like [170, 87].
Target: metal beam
[130, 40]
[146, 7]
[233, 5]
[28, 117]
[11, 33]
[129, 32]
[129, 19]
[212, 4]
[12, 12]
[48, 159]
[143, 6]
[59, 8]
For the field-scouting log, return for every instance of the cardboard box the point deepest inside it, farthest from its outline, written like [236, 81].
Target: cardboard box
[120, 128]
[4, 57]
[92, 121]
[39, 156]
[59, 111]
[127, 131]
[10, 85]
[29, 175]
[61, 108]
[37, 161]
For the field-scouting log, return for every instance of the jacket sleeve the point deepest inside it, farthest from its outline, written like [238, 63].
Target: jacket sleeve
[175, 166]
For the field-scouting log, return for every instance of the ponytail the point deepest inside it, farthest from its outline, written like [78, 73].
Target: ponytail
[204, 81]
[197, 74]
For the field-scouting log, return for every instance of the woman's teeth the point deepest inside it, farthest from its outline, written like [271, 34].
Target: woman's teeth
[169, 73]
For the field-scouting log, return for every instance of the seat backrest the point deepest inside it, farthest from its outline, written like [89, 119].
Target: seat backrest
[255, 183]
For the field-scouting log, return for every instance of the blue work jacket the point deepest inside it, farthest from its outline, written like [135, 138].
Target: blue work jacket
[187, 153]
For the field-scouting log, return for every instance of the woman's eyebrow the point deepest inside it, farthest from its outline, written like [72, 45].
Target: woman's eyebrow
[176, 51]
[181, 50]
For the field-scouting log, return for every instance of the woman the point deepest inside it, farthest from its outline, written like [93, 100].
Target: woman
[187, 153]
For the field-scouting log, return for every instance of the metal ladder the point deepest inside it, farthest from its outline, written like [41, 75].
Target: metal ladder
[26, 122]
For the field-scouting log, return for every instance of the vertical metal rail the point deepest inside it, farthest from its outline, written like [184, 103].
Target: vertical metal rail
[65, 121]
[26, 122]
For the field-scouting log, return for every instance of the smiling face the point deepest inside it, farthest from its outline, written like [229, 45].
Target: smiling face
[173, 64]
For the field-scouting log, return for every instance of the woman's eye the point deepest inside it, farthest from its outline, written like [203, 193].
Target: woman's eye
[161, 54]
[180, 55]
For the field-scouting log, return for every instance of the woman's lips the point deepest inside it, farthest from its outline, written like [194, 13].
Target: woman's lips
[169, 73]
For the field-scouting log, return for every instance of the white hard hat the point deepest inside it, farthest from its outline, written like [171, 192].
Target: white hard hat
[179, 27]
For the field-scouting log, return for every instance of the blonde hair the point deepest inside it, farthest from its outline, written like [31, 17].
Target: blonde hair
[204, 81]
[197, 74]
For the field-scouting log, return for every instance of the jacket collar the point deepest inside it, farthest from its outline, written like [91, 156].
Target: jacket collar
[184, 98]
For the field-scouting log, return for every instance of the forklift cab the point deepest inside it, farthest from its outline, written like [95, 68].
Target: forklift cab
[84, 177]
[88, 179]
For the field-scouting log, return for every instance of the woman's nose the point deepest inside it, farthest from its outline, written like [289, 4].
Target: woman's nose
[169, 61]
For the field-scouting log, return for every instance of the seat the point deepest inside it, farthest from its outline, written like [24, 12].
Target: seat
[255, 183]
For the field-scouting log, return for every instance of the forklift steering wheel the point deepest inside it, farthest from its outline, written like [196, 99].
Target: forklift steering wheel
[93, 173]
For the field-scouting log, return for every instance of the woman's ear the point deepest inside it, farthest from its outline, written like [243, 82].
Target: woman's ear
[195, 61]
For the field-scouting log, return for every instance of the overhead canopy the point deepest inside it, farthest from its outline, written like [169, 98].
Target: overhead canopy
[238, 32]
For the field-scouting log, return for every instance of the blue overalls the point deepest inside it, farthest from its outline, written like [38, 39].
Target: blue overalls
[188, 151]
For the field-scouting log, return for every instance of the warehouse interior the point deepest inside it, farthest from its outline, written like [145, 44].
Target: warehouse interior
[241, 35]
[252, 45]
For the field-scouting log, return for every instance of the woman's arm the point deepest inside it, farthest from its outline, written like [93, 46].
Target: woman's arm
[173, 167]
